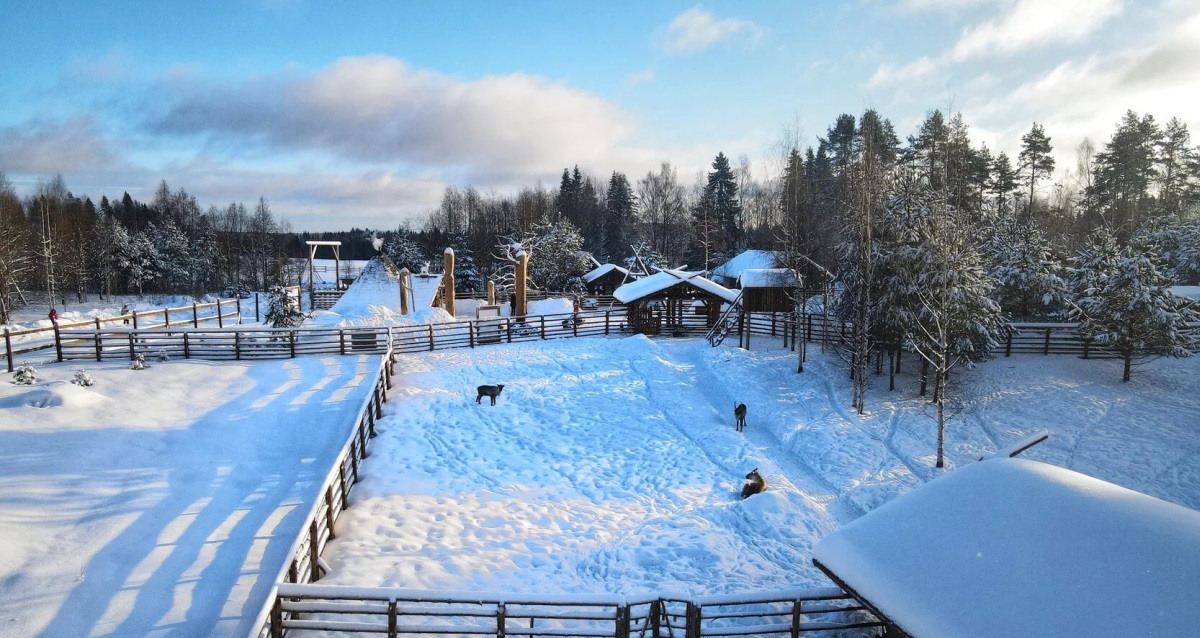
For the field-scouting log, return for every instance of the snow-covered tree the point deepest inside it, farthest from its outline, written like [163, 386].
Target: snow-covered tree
[404, 251]
[934, 288]
[83, 379]
[556, 257]
[139, 262]
[25, 374]
[282, 309]
[1028, 284]
[1124, 302]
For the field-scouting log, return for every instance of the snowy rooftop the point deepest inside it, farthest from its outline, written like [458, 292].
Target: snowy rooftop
[1012, 547]
[768, 278]
[665, 279]
[596, 273]
[747, 260]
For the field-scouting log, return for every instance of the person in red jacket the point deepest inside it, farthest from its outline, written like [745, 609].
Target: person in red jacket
[54, 316]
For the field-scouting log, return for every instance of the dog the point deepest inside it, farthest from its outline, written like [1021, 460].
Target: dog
[492, 391]
[739, 413]
[755, 484]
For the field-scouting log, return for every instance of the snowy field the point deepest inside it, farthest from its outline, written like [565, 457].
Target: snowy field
[612, 465]
[162, 502]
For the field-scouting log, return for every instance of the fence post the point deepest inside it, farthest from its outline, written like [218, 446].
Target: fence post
[1046, 347]
[237, 346]
[606, 314]
[431, 337]
[1086, 344]
[471, 333]
[392, 619]
[500, 620]
[132, 355]
[543, 323]
[166, 317]
[329, 509]
[256, 319]
[796, 619]
[277, 618]
[575, 325]
[237, 301]
[292, 343]
[134, 319]
[1008, 343]
[220, 319]
[8, 349]
[187, 353]
[623, 621]
[656, 612]
[58, 343]
[98, 346]
[692, 621]
[341, 341]
[314, 552]
[195, 316]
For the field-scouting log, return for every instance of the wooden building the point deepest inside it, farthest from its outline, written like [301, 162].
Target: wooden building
[667, 302]
[603, 280]
[768, 289]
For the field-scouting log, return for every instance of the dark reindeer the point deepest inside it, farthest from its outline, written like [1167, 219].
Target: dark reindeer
[492, 391]
[739, 413]
[755, 484]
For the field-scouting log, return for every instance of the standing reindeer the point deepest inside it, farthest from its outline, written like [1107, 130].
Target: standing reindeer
[739, 414]
[755, 484]
[492, 391]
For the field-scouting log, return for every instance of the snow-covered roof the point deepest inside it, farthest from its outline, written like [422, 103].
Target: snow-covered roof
[748, 259]
[665, 279]
[768, 278]
[599, 272]
[1012, 547]
[377, 285]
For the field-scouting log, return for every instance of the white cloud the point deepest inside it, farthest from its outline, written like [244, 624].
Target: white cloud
[378, 110]
[696, 29]
[48, 147]
[1033, 23]
[640, 77]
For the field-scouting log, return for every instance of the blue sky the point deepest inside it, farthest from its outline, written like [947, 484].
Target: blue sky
[361, 113]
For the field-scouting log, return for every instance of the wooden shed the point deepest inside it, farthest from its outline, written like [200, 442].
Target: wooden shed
[603, 280]
[666, 301]
[768, 289]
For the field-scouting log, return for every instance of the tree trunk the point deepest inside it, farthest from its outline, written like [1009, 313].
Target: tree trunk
[1128, 355]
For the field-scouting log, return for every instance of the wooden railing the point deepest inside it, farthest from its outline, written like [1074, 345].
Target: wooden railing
[19, 342]
[312, 610]
[304, 564]
[478, 332]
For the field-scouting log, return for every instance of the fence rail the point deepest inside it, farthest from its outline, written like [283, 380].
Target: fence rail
[21, 342]
[311, 610]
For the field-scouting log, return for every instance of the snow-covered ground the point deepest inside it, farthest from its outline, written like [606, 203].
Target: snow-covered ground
[162, 502]
[612, 465]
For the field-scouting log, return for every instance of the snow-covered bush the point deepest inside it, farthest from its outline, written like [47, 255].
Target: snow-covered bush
[163, 357]
[139, 362]
[83, 379]
[25, 374]
[283, 311]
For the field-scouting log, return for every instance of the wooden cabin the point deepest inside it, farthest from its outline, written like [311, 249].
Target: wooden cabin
[603, 280]
[667, 302]
[768, 289]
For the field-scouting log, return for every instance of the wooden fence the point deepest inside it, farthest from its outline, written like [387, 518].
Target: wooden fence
[313, 610]
[305, 564]
[478, 332]
[20, 342]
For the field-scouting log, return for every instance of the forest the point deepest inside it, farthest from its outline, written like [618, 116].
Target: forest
[843, 208]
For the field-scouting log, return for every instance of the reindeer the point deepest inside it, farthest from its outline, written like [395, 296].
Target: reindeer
[755, 484]
[739, 414]
[492, 391]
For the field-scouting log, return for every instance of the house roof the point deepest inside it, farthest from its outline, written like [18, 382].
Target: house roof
[666, 279]
[1012, 547]
[748, 259]
[768, 278]
[600, 271]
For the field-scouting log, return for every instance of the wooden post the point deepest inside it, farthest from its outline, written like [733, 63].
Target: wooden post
[166, 317]
[606, 314]
[58, 343]
[186, 351]
[520, 307]
[134, 319]
[237, 346]
[1008, 343]
[341, 342]
[1046, 347]
[431, 337]
[98, 347]
[500, 620]
[292, 343]
[132, 356]
[795, 619]
[277, 618]
[471, 333]
[195, 316]
[692, 620]
[622, 627]
[220, 319]
[8, 349]
[448, 280]
[656, 612]
[393, 620]
[314, 552]
[256, 319]
[329, 509]
[543, 322]
[405, 286]
[491, 292]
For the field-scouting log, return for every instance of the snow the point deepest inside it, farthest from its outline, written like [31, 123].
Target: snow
[374, 300]
[162, 502]
[665, 279]
[1187, 292]
[758, 259]
[1054, 553]
[768, 278]
[611, 465]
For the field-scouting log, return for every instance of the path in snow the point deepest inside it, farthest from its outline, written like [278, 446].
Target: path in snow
[162, 502]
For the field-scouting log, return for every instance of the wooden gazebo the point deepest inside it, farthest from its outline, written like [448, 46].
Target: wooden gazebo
[661, 302]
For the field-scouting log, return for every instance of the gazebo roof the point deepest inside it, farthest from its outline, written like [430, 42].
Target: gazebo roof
[1012, 547]
[666, 279]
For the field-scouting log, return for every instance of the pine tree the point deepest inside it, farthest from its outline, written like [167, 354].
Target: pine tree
[717, 219]
[282, 309]
[620, 210]
[1020, 261]
[1126, 304]
[1036, 163]
[1123, 173]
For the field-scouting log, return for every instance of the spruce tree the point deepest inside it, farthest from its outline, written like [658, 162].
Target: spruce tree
[619, 220]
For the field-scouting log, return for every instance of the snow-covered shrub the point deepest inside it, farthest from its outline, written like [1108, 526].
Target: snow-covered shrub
[25, 374]
[139, 362]
[163, 357]
[283, 311]
[83, 379]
